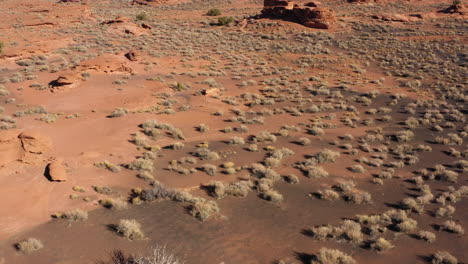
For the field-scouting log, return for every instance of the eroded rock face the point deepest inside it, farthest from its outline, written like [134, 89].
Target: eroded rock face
[132, 55]
[309, 15]
[56, 171]
[27, 147]
[106, 64]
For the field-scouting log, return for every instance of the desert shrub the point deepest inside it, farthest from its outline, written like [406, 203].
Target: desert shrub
[158, 255]
[203, 209]
[145, 175]
[141, 164]
[114, 204]
[107, 165]
[203, 128]
[177, 145]
[238, 189]
[350, 231]
[328, 195]
[410, 204]
[452, 227]
[445, 211]
[29, 245]
[217, 189]
[223, 21]
[381, 245]
[426, 236]
[326, 155]
[446, 175]
[253, 147]
[157, 191]
[358, 197]
[316, 131]
[303, 141]
[407, 225]
[272, 196]
[141, 16]
[75, 215]
[332, 256]
[357, 168]
[316, 172]
[103, 190]
[404, 136]
[291, 178]
[443, 257]
[213, 12]
[259, 171]
[345, 187]
[130, 229]
[264, 136]
[118, 112]
[237, 141]
[209, 169]
[206, 154]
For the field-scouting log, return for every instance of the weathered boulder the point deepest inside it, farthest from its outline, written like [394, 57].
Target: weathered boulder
[133, 55]
[309, 14]
[315, 17]
[55, 171]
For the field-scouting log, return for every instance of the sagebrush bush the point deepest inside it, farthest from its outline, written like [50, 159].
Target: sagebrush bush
[443, 257]
[213, 12]
[130, 229]
[224, 21]
[272, 196]
[75, 215]
[426, 236]
[29, 245]
[203, 209]
[332, 256]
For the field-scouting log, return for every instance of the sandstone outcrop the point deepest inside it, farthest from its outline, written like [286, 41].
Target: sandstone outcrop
[309, 14]
[27, 147]
[55, 171]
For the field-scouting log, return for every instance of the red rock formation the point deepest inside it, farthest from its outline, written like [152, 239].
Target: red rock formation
[56, 171]
[310, 15]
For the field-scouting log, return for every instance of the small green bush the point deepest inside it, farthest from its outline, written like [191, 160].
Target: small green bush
[141, 16]
[213, 12]
[224, 21]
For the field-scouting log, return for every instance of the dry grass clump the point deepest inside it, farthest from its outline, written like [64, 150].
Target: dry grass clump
[209, 169]
[156, 192]
[357, 168]
[426, 236]
[404, 136]
[118, 112]
[349, 231]
[411, 204]
[358, 197]
[237, 141]
[303, 141]
[272, 196]
[75, 215]
[141, 164]
[326, 155]
[264, 137]
[316, 172]
[259, 171]
[220, 190]
[203, 128]
[381, 245]
[452, 227]
[444, 211]
[130, 229]
[206, 154]
[443, 257]
[328, 195]
[107, 165]
[407, 225]
[114, 204]
[29, 245]
[316, 131]
[203, 209]
[332, 256]
[291, 178]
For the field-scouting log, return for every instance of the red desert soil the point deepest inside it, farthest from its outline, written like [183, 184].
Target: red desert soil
[141, 98]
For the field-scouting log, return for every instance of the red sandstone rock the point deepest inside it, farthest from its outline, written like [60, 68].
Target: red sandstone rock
[56, 171]
[132, 55]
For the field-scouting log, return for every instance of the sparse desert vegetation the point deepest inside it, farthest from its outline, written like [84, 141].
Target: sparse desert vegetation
[248, 131]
